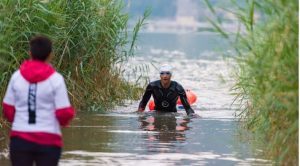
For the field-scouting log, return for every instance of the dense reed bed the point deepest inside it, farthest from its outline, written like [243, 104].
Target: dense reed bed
[90, 39]
[266, 85]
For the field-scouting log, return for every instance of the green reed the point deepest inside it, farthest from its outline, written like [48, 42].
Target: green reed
[90, 37]
[266, 85]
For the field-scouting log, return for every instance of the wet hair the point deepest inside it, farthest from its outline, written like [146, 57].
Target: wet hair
[40, 47]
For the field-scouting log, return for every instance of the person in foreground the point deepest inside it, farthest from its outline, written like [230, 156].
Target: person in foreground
[37, 104]
[165, 94]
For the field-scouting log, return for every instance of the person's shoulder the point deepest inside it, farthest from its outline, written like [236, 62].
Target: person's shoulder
[16, 74]
[154, 83]
[57, 76]
[176, 83]
[56, 79]
[178, 86]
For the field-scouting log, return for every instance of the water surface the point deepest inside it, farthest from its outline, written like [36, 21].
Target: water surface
[123, 137]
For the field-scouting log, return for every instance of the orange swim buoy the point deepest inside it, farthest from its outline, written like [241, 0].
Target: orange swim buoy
[191, 96]
[151, 105]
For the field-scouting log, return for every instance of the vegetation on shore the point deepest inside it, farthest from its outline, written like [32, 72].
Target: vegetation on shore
[90, 38]
[266, 85]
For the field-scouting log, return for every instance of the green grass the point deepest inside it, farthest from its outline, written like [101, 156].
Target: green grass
[267, 76]
[90, 38]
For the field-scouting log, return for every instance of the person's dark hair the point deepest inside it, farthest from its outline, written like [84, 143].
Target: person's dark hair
[40, 47]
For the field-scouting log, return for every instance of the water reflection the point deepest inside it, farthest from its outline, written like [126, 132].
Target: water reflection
[167, 129]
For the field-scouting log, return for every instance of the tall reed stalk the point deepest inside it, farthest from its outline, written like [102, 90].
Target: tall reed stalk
[267, 75]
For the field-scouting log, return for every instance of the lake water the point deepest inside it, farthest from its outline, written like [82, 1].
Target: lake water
[123, 137]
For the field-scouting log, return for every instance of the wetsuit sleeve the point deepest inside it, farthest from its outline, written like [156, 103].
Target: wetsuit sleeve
[146, 97]
[8, 103]
[184, 100]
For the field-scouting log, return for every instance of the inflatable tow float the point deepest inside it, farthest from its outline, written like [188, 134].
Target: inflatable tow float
[191, 96]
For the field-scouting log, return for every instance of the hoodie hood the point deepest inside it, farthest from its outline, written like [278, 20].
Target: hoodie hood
[36, 71]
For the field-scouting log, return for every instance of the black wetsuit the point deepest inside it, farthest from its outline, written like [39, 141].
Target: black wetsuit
[165, 99]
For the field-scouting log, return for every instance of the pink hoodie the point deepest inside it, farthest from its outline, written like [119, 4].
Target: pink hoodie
[34, 72]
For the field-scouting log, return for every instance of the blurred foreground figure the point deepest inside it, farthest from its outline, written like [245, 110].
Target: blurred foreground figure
[37, 104]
